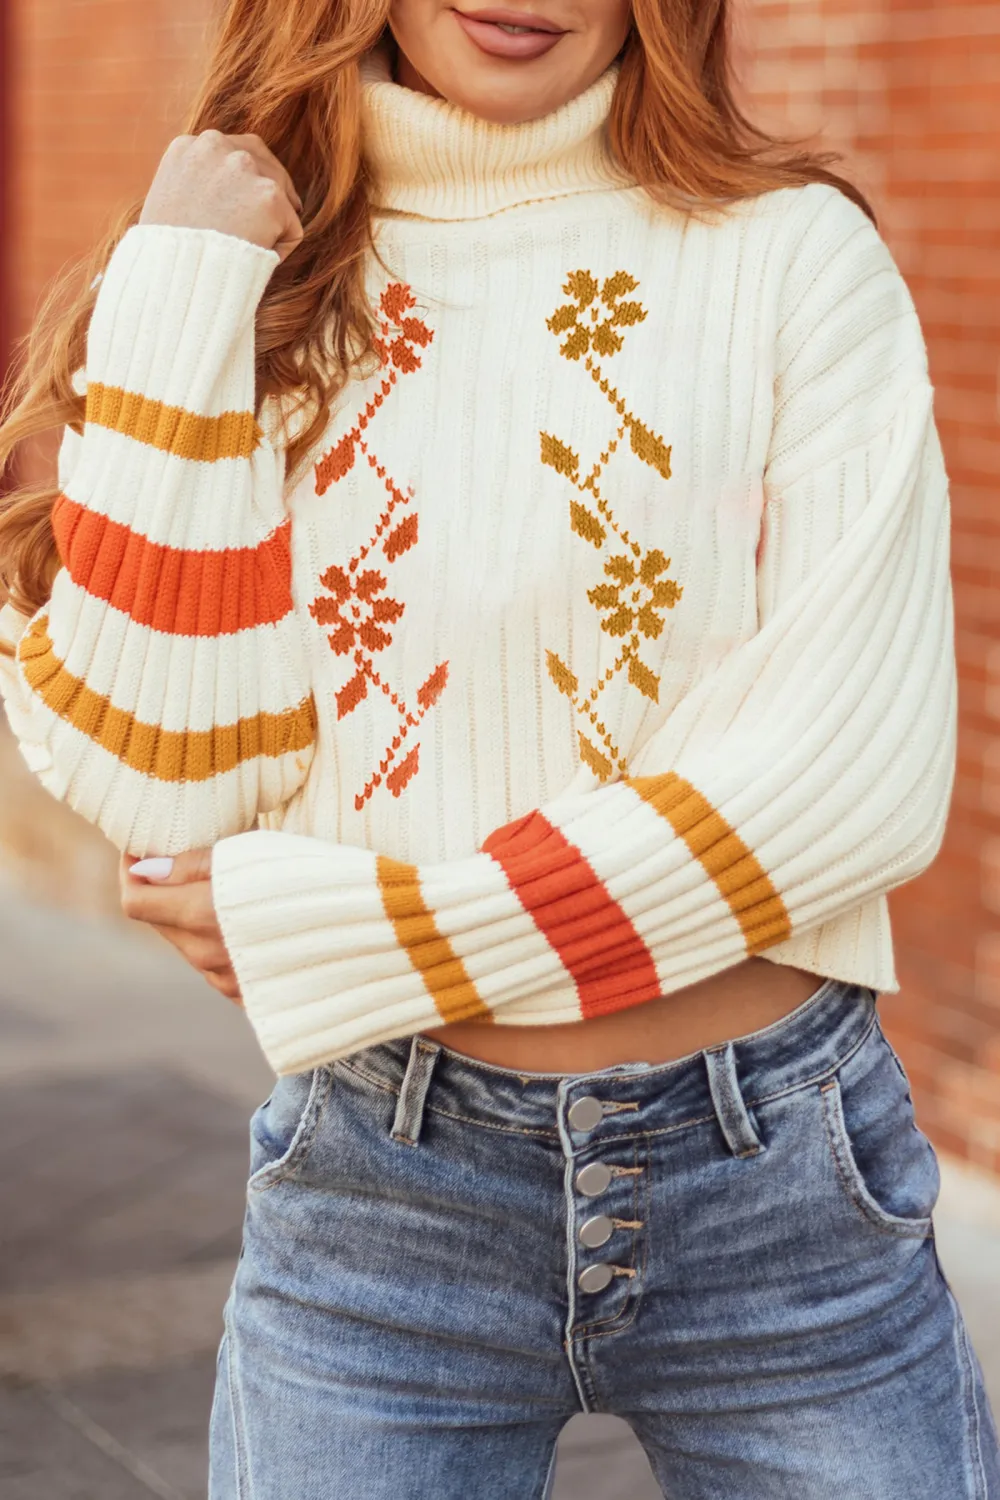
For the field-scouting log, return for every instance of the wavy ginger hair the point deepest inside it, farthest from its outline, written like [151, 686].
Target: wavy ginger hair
[288, 71]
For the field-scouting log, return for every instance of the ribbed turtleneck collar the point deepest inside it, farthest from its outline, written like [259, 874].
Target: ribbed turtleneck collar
[432, 159]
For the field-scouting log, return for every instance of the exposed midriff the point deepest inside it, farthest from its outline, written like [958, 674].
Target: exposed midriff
[754, 994]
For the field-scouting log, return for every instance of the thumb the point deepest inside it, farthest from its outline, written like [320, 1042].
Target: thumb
[291, 236]
[182, 869]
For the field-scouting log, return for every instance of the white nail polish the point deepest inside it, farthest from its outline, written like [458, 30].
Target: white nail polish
[152, 869]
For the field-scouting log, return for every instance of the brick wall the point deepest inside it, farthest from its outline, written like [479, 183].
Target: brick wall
[911, 93]
[96, 90]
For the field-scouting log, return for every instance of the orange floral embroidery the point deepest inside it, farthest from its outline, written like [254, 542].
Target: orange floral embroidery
[352, 628]
[633, 599]
[396, 345]
[355, 602]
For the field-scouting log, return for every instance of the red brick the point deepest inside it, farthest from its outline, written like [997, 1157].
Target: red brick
[922, 136]
[98, 89]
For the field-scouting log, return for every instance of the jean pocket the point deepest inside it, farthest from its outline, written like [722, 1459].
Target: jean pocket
[283, 1129]
[884, 1162]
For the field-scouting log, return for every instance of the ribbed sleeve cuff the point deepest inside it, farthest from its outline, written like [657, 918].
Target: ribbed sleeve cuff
[172, 306]
[316, 956]
[168, 666]
[336, 948]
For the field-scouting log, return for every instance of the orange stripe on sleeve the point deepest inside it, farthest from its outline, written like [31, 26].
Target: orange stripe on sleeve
[177, 591]
[234, 434]
[165, 755]
[739, 876]
[430, 953]
[571, 907]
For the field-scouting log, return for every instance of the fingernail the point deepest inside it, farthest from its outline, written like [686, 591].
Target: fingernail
[152, 869]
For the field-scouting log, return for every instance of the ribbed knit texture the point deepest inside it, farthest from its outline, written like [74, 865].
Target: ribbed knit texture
[432, 160]
[168, 682]
[605, 639]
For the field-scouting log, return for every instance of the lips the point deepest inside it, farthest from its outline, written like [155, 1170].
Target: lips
[516, 35]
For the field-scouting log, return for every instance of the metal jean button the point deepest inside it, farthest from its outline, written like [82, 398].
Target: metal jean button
[593, 1179]
[595, 1278]
[596, 1231]
[585, 1113]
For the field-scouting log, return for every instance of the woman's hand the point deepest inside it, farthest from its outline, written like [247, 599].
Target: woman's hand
[231, 183]
[175, 898]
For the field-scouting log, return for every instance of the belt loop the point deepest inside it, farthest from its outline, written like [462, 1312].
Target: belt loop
[416, 1082]
[734, 1121]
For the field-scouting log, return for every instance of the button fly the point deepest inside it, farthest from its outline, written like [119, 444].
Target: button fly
[593, 1179]
[596, 1231]
[585, 1113]
[595, 1278]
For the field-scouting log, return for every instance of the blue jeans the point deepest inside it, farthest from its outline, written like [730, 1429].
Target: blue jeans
[443, 1261]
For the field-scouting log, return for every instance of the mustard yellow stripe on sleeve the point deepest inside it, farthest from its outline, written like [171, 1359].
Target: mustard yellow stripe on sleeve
[165, 755]
[430, 953]
[234, 434]
[740, 878]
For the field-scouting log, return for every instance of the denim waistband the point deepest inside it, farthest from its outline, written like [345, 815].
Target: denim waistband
[806, 1046]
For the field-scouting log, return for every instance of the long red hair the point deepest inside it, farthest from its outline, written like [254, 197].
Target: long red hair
[288, 71]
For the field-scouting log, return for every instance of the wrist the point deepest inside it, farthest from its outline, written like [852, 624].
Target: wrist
[153, 218]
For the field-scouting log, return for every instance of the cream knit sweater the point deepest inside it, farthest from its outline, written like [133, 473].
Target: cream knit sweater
[605, 639]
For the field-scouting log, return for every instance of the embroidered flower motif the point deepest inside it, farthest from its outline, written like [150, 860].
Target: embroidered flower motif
[396, 344]
[356, 608]
[394, 305]
[591, 322]
[355, 602]
[636, 596]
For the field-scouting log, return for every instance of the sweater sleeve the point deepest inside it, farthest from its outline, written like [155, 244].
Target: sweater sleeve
[810, 772]
[162, 691]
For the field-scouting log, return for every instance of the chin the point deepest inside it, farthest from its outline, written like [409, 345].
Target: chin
[504, 98]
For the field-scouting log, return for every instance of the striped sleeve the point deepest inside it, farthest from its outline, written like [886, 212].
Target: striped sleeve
[163, 690]
[808, 774]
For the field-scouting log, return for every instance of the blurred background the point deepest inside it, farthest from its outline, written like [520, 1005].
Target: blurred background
[124, 1084]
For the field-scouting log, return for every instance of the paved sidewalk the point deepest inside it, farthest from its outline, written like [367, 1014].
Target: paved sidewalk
[125, 1087]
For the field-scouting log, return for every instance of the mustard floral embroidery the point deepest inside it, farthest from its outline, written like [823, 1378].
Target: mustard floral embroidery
[636, 591]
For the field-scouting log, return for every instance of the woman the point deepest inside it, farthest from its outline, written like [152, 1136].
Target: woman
[510, 479]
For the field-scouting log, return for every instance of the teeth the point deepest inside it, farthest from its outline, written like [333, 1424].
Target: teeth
[513, 30]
